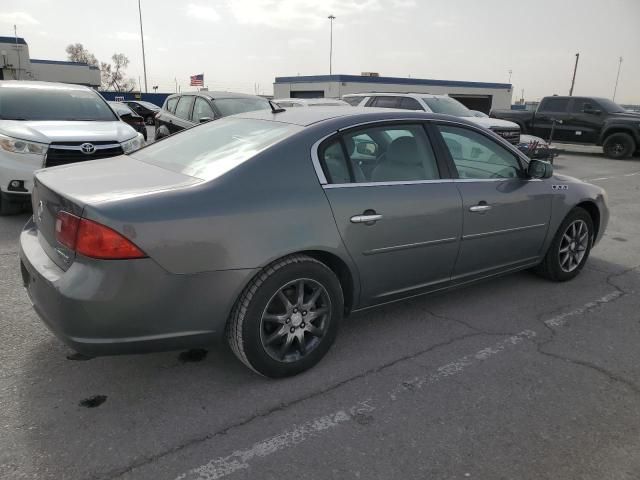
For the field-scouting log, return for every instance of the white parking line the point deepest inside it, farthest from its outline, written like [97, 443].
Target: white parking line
[223, 466]
[633, 174]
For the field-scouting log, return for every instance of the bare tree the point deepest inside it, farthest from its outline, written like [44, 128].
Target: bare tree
[113, 75]
[77, 53]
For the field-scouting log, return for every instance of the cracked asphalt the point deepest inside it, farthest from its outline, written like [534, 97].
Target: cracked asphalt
[514, 378]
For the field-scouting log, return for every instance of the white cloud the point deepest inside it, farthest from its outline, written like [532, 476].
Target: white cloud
[18, 18]
[404, 3]
[297, 14]
[202, 12]
[442, 24]
[300, 43]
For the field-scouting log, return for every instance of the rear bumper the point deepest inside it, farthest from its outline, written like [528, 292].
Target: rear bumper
[126, 306]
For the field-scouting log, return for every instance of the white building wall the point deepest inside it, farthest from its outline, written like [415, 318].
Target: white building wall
[77, 74]
[501, 98]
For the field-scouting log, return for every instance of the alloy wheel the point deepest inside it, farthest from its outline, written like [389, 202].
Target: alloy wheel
[573, 246]
[295, 320]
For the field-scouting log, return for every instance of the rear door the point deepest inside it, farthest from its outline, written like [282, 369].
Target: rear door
[401, 221]
[505, 214]
[182, 116]
[553, 114]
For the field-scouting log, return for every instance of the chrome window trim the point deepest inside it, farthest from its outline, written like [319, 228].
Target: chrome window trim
[329, 186]
[324, 182]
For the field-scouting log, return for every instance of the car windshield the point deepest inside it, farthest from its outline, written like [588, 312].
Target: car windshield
[447, 106]
[609, 106]
[231, 106]
[213, 149]
[149, 105]
[35, 102]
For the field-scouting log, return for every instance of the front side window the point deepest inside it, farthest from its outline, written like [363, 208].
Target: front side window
[447, 106]
[408, 103]
[381, 154]
[214, 148]
[552, 104]
[34, 102]
[171, 104]
[232, 106]
[183, 109]
[385, 102]
[478, 157]
[201, 110]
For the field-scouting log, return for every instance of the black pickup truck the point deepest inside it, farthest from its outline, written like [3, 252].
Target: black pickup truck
[586, 120]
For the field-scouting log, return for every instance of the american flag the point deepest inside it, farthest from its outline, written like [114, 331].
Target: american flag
[197, 80]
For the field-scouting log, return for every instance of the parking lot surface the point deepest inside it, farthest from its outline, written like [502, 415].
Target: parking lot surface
[514, 378]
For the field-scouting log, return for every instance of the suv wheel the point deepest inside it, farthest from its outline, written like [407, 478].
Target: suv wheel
[287, 318]
[570, 248]
[619, 145]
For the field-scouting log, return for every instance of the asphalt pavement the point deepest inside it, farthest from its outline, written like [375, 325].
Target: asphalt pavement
[514, 378]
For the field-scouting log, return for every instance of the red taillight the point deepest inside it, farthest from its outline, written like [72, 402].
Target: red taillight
[94, 240]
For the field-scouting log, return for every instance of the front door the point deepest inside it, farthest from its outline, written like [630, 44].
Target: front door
[552, 115]
[505, 214]
[400, 221]
[586, 121]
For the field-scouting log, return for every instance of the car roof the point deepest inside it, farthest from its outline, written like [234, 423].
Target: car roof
[308, 100]
[309, 116]
[42, 85]
[216, 95]
[395, 94]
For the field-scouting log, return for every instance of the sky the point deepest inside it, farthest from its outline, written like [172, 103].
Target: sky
[242, 45]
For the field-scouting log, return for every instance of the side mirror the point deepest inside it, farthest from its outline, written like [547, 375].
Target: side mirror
[367, 148]
[205, 119]
[539, 169]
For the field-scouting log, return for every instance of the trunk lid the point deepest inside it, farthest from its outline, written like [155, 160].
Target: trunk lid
[72, 187]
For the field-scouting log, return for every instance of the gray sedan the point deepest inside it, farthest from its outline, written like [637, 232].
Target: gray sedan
[268, 228]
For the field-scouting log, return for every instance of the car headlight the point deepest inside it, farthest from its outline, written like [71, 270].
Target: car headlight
[133, 144]
[15, 145]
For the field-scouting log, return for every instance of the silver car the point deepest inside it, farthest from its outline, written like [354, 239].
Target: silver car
[267, 228]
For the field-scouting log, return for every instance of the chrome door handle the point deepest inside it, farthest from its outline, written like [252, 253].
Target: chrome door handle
[366, 218]
[480, 208]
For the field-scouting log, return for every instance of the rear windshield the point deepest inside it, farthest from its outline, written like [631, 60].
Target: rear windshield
[447, 106]
[121, 109]
[149, 105]
[231, 106]
[211, 150]
[50, 103]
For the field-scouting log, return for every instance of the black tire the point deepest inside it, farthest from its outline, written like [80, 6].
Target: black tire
[619, 145]
[7, 208]
[245, 329]
[161, 132]
[551, 267]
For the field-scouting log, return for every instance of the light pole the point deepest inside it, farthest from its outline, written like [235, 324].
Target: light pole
[575, 69]
[144, 62]
[331, 19]
[617, 78]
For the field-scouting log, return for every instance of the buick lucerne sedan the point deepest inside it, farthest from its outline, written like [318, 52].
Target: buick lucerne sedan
[268, 227]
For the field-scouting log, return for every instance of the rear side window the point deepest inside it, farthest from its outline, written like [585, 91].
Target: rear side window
[215, 148]
[171, 104]
[552, 104]
[183, 110]
[231, 106]
[353, 101]
[408, 103]
[202, 109]
[385, 102]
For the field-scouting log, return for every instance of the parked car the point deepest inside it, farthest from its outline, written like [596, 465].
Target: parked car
[46, 124]
[146, 110]
[586, 120]
[477, 113]
[263, 228]
[436, 104]
[184, 110]
[130, 117]
[310, 102]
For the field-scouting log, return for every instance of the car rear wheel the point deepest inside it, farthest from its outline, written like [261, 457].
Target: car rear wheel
[570, 247]
[287, 318]
[619, 145]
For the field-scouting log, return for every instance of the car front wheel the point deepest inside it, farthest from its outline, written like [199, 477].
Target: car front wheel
[619, 145]
[287, 318]
[570, 248]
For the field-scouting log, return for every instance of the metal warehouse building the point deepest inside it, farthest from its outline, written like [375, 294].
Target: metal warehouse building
[16, 64]
[475, 95]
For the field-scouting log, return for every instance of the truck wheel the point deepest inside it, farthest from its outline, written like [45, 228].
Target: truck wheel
[619, 145]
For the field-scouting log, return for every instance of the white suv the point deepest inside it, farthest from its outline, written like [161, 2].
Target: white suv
[46, 124]
[434, 104]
